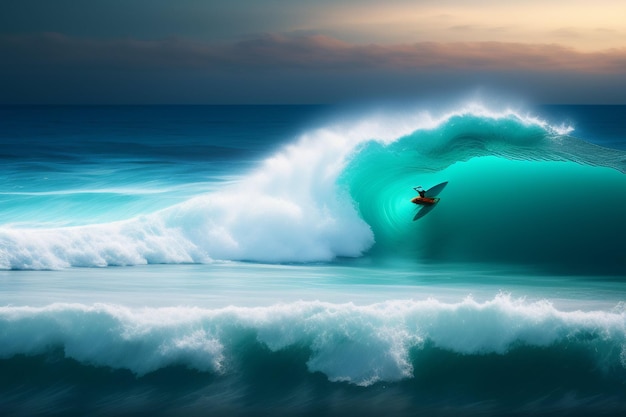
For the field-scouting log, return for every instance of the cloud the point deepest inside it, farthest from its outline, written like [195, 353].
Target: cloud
[313, 52]
[322, 52]
[58, 69]
[463, 28]
[566, 33]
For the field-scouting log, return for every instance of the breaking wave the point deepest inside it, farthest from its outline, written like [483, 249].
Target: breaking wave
[360, 345]
[344, 191]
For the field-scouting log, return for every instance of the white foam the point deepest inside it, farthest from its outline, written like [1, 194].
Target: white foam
[357, 344]
[290, 209]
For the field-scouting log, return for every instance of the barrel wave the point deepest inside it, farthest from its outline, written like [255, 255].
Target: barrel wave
[520, 190]
[297, 281]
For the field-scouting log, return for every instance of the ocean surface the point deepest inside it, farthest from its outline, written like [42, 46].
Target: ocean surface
[264, 260]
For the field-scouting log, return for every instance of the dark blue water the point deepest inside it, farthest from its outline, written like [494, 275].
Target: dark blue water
[602, 125]
[130, 159]
[260, 260]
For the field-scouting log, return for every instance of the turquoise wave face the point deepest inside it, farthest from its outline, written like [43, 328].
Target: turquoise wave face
[519, 191]
[516, 193]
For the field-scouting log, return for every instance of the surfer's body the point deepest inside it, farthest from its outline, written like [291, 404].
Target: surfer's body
[423, 198]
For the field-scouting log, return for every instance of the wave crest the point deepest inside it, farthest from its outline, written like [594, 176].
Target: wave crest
[356, 344]
[333, 193]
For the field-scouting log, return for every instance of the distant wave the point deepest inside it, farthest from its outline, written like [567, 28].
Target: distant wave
[342, 190]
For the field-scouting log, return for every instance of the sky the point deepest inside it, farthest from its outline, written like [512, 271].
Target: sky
[304, 51]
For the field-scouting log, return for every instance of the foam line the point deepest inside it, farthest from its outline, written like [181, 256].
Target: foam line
[352, 343]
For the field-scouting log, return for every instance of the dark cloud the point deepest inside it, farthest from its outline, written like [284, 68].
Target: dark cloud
[274, 68]
[295, 52]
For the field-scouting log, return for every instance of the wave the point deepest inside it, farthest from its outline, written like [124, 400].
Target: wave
[501, 356]
[342, 191]
[360, 345]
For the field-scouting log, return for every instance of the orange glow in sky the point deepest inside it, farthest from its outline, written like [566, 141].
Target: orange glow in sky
[582, 25]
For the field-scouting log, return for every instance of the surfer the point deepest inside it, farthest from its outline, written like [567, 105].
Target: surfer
[423, 199]
[427, 198]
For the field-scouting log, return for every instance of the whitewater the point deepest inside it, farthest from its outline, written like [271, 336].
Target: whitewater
[259, 260]
[333, 191]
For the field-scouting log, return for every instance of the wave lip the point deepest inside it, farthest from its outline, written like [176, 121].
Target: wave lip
[333, 193]
[360, 345]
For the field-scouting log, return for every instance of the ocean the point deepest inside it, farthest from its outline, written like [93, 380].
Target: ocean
[264, 260]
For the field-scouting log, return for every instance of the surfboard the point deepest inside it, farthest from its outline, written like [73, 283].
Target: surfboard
[434, 191]
[423, 211]
[429, 201]
[424, 201]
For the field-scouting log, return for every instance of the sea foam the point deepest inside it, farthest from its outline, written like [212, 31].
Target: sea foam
[293, 208]
[359, 344]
